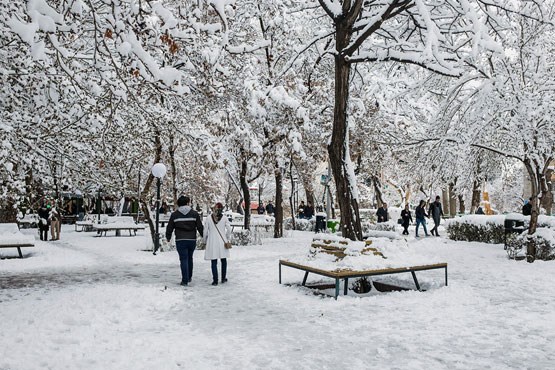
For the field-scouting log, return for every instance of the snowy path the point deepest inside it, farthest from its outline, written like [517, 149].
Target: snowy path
[101, 303]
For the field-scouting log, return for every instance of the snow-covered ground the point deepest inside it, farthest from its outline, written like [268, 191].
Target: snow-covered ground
[103, 303]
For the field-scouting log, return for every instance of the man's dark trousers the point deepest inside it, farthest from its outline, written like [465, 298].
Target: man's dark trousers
[186, 248]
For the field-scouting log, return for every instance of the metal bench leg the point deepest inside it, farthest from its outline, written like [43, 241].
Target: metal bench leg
[336, 288]
[445, 275]
[346, 287]
[415, 280]
[19, 251]
[305, 277]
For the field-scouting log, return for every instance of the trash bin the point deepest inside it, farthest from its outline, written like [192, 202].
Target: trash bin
[514, 224]
[320, 223]
[332, 225]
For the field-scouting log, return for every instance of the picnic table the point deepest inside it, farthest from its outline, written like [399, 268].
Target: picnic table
[345, 275]
[118, 224]
[11, 237]
[29, 221]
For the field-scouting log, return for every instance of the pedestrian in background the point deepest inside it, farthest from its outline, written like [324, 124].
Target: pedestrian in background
[436, 213]
[420, 215]
[407, 219]
[55, 218]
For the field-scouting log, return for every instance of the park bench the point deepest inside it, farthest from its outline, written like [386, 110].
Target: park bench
[118, 224]
[29, 221]
[11, 237]
[338, 250]
[89, 221]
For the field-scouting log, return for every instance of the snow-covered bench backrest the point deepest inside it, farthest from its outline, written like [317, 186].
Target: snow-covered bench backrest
[121, 220]
[9, 229]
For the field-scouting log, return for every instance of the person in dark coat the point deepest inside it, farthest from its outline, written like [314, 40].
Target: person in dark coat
[480, 211]
[270, 209]
[44, 213]
[308, 211]
[300, 211]
[420, 215]
[407, 219]
[527, 208]
[260, 209]
[436, 213]
[382, 214]
[186, 222]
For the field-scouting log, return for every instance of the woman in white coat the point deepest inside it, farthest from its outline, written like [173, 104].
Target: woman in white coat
[217, 231]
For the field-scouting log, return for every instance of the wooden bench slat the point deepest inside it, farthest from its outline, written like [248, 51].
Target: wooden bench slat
[350, 273]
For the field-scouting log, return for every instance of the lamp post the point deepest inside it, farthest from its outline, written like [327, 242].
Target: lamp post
[158, 171]
[99, 202]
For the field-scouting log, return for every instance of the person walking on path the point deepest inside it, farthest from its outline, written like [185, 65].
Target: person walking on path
[420, 215]
[382, 214]
[186, 222]
[217, 232]
[55, 219]
[43, 213]
[407, 219]
[436, 213]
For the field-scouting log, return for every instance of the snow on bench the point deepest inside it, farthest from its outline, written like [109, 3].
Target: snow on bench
[29, 221]
[118, 224]
[343, 259]
[11, 237]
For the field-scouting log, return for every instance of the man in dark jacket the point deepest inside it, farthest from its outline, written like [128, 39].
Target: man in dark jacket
[382, 214]
[186, 222]
[270, 209]
[44, 213]
[527, 208]
[435, 212]
[308, 211]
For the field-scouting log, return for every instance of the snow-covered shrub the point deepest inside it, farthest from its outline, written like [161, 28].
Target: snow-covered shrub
[242, 237]
[382, 226]
[300, 224]
[477, 228]
[543, 239]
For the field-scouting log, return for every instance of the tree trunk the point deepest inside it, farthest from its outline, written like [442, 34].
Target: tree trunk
[475, 203]
[452, 201]
[462, 208]
[278, 212]
[444, 200]
[293, 210]
[144, 199]
[173, 167]
[547, 196]
[246, 194]
[377, 190]
[535, 182]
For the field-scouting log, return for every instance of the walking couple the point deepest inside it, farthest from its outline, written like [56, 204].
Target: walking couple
[215, 232]
[435, 212]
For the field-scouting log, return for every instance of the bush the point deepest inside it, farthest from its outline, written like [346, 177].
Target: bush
[477, 228]
[242, 237]
[382, 226]
[543, 239]
[301, 224]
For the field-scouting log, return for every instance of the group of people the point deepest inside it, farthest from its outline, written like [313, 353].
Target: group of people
[185, 222]
[305, 211]
[269, 209]
[435, 211]
[49, 218]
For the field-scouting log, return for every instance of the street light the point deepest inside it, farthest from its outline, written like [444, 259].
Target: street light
[158, 171]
